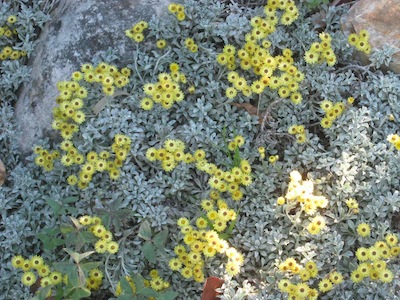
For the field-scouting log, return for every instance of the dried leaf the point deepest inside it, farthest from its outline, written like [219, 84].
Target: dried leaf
[251, 109]
[211, 284]
[99, 106]
[2, 173]
[103, 102]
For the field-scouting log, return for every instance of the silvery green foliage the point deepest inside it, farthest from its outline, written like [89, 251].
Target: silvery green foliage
[383, 56]
[350, 159]
[233, 291]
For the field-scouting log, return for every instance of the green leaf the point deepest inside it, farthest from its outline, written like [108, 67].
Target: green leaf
[145, 230]
[66, 229]
[64, 267]
[70, 200]
[87, 267]
[160, 238]
[79, 238]
[125, 297]
[126, 287]
[170, 295]
[55, 206]
[80, 293]
[49, 239]
[149, 251]
[42, 293]
[73, 277]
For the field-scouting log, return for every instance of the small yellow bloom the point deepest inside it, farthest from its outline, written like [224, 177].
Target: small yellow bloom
[364, 230]
[280, 201]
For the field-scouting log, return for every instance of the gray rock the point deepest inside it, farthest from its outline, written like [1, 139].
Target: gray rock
[78, 30]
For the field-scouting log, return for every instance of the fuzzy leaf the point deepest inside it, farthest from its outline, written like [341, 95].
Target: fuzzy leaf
[145, 230]
[160, 238]
[149, 251]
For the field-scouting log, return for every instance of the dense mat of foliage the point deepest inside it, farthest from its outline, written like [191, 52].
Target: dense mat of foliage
[241, 141]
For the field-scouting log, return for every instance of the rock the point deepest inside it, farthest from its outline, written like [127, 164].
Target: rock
[76, 32]
[382, 20]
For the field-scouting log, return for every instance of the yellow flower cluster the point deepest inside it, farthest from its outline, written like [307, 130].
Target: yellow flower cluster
[374, 260]
[303, 290]
[255, 56]
[136, 31]
[201, 243]
[178, 10]
[166, 91]
[69, 115]
[227, 57]
[105, 242]
[95, 279]
[360, 41]
[289, 15]
[191, 45]
[105, 74]
[331, 111]
[298, 131]
[316, 225]
[45, 158]
[261, 151]
[290, 265]
[394, 139]
[301, 191]
[36, 265]
[322, 51]
[95, 162]
[223, 181]
[9, 53]
[297, 291]
[156, 283]
[9, 31]
[217, 219]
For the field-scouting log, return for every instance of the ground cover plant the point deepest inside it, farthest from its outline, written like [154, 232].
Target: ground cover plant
[242, 141]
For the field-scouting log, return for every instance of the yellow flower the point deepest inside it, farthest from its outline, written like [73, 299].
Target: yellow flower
[55, 277]
[43, 270]
[28, 278]
[364, 230]
[183, 222]
[362, 254]
[325, 285]
[187, 272]
[356, 276]
[336, 277]
[36, 261]
[17, 261]
[280, 201]
[12, 19]
[85, 220]
[231, 92]
[391, 239]
[101, 246]
[112, 247]
[161, 44]
[232, 268]
[386, 275]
